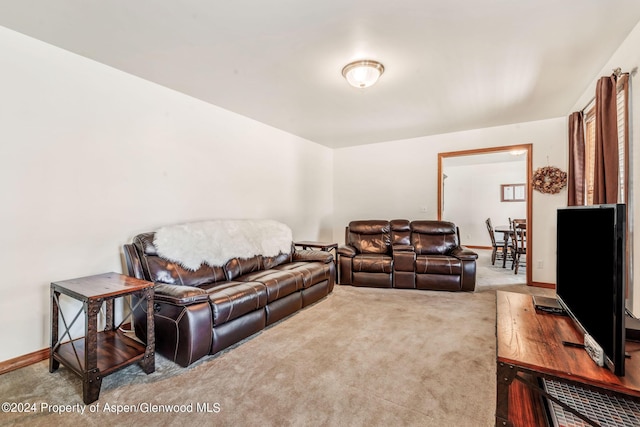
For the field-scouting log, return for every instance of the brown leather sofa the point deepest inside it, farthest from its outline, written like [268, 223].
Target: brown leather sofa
[205, 311]
[406, 254]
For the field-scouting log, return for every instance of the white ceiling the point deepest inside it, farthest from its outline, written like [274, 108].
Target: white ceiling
[450, 65]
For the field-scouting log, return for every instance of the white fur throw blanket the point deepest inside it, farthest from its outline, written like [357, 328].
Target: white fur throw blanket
[217, 241]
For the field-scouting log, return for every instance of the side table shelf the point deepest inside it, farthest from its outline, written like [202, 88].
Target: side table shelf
[323, 246]
[99, 353]
[115, 350]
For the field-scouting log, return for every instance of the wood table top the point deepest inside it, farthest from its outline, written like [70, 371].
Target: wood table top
[105, 285]
[533, 340]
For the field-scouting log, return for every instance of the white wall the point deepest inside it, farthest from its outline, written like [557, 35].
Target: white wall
[397, 179]
[627, 57]
[479, 186]
[91, 156]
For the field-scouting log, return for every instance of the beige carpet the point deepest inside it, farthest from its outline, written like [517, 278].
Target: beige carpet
[495, 274]
[361, 357]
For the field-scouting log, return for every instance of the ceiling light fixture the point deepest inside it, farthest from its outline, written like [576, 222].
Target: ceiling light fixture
[517, 152]
[362, 73]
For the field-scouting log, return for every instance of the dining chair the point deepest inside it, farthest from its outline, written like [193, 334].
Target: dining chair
[519, 247]
[513, 223]
[498, 246]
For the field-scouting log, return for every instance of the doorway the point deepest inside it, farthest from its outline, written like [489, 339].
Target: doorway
[492, 157]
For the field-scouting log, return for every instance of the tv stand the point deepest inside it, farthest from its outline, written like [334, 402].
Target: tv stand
[530, 346]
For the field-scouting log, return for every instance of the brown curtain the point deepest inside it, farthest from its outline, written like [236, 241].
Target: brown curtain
[576, 180]
[605, 188]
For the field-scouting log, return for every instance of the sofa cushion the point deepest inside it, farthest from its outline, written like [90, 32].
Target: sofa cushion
[312, 272]
[370, 236]
[236, 267]
[438, 264]
[269, 262]
[232, 299]
[163, 271]
[438, 282]
[309, 255]
[279, 283]
[434, 237]
[372, 263]
[373, 280]
[400, 232]
[158, 269]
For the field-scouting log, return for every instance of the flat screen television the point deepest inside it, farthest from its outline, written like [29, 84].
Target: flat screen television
[590, 278]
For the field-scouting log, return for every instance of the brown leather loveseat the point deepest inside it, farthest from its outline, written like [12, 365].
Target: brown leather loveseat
[406, 254]
[204, 311]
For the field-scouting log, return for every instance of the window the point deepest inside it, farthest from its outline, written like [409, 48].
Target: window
[589, 150]
[623, 149]
[590, 144]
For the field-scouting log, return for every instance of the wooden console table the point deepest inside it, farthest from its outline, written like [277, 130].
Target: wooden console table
[530, 346]
[99, 353]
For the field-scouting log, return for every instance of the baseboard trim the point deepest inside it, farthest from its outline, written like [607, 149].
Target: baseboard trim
[478, 247]
[23, 361]
[543, 285]
[35, 357]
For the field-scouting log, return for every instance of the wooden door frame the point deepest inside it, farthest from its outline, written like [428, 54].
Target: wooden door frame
[529, 150]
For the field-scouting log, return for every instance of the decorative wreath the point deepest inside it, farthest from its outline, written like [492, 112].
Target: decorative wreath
[549, 180]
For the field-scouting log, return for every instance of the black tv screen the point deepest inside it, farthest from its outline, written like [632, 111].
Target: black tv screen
[590, 282]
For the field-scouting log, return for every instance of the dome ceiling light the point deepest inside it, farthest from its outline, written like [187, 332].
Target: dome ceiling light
[362, 74]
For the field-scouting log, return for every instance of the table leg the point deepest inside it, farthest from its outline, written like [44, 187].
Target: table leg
[54, 364]
[109, 319]
[92, 378]
[148, 363]
[505, 238]
[504, 377]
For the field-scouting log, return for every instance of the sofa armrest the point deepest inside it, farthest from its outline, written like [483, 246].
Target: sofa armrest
[346, 253]
[464, 254]
[347, 250]
[183, 322]
[179, 295]
[403, 248]
[311, 255]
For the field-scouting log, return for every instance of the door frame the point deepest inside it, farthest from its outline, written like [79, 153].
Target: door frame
[529, 189]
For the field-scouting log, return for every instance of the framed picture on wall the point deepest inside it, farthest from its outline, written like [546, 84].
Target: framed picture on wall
[512, 193]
